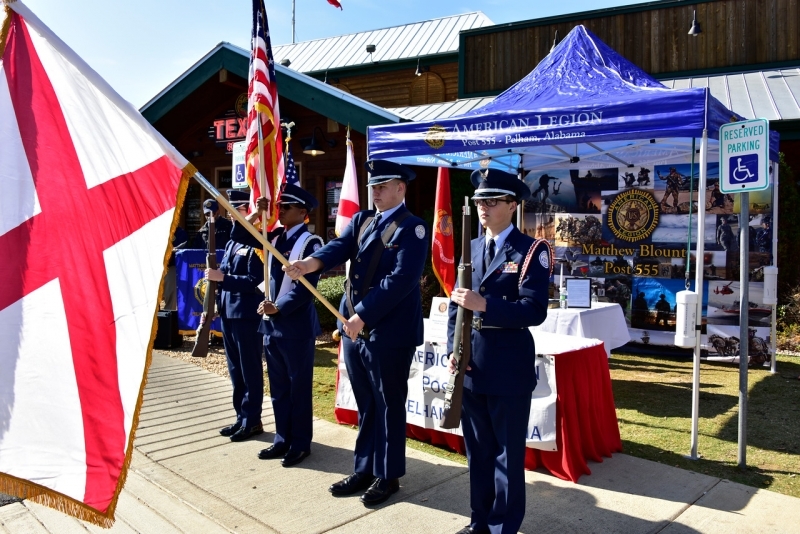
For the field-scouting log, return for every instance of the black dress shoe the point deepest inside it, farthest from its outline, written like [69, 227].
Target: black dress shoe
[380, 490]
[272, 452]
[247, 433]
[228, 431]
[469, 530]
[294, 458]
[352, 484]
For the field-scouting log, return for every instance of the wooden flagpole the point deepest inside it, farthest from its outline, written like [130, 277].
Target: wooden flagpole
[262, 183]
[219, 197]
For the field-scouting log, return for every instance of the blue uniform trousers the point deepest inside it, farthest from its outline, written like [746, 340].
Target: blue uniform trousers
[243, 346]
[494, 428]
[290, 369]
[379, 377]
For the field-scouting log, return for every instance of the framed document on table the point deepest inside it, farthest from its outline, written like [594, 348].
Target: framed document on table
[579, 292]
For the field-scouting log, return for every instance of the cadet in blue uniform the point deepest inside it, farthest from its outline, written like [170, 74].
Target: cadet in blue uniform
[387, 250]
[222, 229]
[239, 275]
[290, 327]
[510, 277]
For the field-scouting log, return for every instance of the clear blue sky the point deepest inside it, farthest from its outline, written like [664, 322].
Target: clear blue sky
[141, 46]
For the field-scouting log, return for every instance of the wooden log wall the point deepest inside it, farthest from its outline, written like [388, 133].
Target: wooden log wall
[735, 33]
[395, 89]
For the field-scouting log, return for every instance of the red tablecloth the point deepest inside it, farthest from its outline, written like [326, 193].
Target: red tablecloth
[586, 418]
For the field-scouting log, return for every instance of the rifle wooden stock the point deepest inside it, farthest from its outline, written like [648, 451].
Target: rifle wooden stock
[462, 336]
[200, 349]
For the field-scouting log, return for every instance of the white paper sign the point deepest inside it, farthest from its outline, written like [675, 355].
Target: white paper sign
[425, 401]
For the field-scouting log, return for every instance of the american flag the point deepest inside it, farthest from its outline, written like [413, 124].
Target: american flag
[262, 105]
[291, 170]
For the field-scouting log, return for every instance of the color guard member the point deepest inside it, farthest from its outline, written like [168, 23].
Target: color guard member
[240, 273]
[387, 250]
[290, 328]
[511, 273]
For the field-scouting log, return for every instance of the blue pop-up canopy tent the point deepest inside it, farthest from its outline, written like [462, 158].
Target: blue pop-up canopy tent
[584, 106]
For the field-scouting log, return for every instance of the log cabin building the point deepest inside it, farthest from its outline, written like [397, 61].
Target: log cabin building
[747, 52]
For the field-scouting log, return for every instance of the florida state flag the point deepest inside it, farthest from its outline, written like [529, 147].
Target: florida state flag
[442, 254]
[88, 206]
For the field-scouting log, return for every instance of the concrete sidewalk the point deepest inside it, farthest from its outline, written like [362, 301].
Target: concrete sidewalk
[186, 478]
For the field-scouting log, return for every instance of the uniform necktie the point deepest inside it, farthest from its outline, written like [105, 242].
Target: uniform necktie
[375, 222]
[489, 255]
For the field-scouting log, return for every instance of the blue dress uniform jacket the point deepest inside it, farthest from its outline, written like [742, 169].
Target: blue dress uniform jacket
[502, 357]
[497, 390]
[297, 317]
[392, 309]
[237, 303]
[378, 367]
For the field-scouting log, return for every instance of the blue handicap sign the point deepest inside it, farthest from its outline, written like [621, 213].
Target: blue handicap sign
[743, 169]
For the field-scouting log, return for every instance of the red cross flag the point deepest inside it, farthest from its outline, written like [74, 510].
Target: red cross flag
[88, 203]
[348, 198]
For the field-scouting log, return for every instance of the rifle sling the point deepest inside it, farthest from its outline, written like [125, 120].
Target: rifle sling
[386, 235]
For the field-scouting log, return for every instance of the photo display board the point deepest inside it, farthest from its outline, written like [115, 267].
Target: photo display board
[629, 230]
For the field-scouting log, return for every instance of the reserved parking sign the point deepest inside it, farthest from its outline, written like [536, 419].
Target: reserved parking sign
[744, 156]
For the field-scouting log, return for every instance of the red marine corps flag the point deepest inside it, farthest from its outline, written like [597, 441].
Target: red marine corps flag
[442, 255]
[264, 151]
[88, 204]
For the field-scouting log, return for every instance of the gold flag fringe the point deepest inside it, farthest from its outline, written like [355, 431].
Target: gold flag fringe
[5, 28]
[31, 491]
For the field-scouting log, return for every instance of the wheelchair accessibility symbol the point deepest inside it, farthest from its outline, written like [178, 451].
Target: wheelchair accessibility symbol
[743, 169]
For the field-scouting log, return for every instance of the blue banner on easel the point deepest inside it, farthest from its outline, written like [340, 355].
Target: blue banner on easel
[190, 266]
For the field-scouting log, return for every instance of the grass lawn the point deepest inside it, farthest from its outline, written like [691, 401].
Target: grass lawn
[653, 398]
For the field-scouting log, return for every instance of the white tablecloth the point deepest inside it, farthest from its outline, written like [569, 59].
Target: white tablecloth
[604, 321]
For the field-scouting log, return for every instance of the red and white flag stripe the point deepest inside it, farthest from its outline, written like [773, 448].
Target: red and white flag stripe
[262, 106]
[348, 199]
[88, 205]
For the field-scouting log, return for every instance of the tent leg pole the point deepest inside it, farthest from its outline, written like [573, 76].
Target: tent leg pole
[773, 367]
[698, 286]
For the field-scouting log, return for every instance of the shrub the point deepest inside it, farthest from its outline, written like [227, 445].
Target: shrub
[331, 288]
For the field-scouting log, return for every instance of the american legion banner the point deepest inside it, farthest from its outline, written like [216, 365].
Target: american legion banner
[429, 375]
[89, 200]
[190, 266]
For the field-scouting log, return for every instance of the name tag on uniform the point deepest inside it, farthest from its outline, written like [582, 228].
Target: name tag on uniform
[242, 251]
[510, 267]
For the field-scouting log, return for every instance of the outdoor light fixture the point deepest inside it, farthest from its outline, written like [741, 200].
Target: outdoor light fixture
[421, 69]
[695, 30]
[315, 148]
[370, 50]
[285, 62]
[333, 79]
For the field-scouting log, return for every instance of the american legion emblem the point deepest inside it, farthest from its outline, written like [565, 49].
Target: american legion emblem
[633, 215]
[435, 136]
